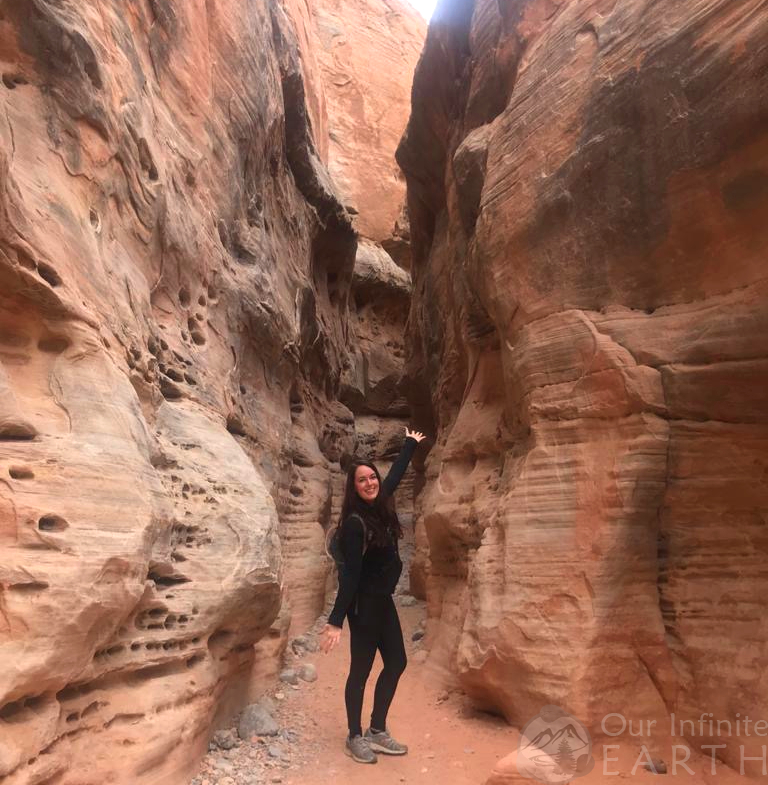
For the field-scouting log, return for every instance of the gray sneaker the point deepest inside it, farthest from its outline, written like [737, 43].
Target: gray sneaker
[358, 749]
[381, 741]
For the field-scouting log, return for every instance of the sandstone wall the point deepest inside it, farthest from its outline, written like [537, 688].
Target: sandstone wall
[357, 63]
[174, 276]
[367, 51]
[588, 192]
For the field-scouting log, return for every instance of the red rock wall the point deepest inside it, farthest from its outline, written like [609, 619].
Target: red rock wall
[357, 64]
[588, 192]
[367, 51]
[174, 275]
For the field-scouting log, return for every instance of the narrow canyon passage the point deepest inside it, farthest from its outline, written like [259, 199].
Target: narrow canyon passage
[246, 242]
[449, 741]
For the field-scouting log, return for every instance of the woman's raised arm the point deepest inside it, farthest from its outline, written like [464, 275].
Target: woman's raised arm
[396, 472]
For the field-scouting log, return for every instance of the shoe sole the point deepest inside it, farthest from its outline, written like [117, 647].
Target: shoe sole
[354, 757]
[384, 751]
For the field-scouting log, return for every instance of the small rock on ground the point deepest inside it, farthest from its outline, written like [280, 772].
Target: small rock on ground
[256, 721]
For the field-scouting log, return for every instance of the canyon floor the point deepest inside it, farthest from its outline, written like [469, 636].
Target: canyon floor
[448, 740]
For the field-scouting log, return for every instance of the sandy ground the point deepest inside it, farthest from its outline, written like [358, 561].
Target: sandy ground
[449, 741]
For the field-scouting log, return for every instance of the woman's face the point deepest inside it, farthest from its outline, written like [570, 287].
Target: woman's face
[366, 483]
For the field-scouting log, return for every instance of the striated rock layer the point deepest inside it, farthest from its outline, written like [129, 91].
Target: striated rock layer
[174, 277]
[367, 51]
[588, 193]
[356, 65]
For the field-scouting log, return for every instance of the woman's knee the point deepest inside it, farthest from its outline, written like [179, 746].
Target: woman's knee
[396, 665]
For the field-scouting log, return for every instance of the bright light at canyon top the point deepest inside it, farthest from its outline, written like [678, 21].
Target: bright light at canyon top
[424, 7]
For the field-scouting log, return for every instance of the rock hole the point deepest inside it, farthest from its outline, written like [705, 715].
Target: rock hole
[212, 293]
[164, 575]
[172, 373]
[53, 344]
[21, 473]
[189, 379]
[29, 588]
[52, 523]
[153, 672]
[198, 337]
[201, 300]
[169, 390]
[135, 646]
[194, 660]
[10, 81]
[184, 298]
[73, 717]
[146, 160]
[92, 72]
[235, 425]
[95, 219]
[17, 711]
[48, 274]
[16, 432]
[12, 712]
[124, 719]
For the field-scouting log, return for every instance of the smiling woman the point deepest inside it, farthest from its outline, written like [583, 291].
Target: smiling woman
[369, 531]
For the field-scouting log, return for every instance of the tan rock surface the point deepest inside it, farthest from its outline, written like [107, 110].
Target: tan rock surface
[174, 273]
[587, 192]
[367, 50]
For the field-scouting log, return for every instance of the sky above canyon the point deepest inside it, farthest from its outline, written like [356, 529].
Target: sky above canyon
[425, 7]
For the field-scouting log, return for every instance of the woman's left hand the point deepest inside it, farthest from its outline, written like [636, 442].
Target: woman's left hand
[418, 435]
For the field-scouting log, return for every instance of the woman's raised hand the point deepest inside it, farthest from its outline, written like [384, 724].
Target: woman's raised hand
[329, 637]
[418, 435]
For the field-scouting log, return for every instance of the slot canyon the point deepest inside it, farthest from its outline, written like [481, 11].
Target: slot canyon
[244, 241]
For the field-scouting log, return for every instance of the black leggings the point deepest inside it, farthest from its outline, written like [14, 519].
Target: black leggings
[373, 624]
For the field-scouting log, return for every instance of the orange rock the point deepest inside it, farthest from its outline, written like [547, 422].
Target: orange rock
[175, 269]
[587, 195]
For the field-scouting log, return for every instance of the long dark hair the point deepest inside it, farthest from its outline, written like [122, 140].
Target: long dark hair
[379, 515]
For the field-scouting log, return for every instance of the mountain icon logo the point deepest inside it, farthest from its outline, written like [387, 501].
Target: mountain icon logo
[554, 748]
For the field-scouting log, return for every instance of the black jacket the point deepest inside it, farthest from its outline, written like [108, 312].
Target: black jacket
[376, 571]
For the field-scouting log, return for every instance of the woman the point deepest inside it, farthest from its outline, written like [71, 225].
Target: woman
[368, 542]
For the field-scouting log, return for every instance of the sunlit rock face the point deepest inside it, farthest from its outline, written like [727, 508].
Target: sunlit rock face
[588, 192]
[174, 276]
[367, 51]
